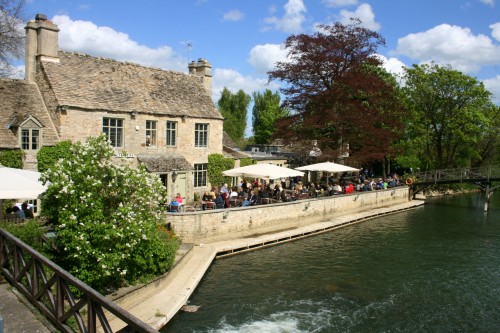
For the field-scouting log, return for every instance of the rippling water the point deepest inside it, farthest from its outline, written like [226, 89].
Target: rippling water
[432, 269]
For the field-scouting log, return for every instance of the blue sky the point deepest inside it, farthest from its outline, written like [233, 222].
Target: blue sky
[242, 39]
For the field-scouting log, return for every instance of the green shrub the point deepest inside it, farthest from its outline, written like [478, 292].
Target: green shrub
[29, 232]
[48, 156]
[12, 158]
[107, 218]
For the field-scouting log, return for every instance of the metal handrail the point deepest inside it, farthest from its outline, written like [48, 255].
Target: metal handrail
[50, 289]
[459, 174]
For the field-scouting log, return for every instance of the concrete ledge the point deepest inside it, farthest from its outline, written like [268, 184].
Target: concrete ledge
[225, 224]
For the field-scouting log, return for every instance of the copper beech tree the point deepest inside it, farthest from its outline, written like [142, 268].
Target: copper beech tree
[339, 93]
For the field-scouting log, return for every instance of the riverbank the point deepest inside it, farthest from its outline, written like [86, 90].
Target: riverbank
[158, 302]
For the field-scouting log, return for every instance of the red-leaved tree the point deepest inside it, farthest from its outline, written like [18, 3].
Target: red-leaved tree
[339, 92]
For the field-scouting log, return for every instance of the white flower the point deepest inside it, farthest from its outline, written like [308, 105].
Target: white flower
[144, 237]
[73, 217]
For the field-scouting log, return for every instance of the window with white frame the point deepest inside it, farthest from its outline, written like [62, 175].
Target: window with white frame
[150, 133]
[171, 133]
[201, 135]
[30, 138]
[113, 128]
[200, 175]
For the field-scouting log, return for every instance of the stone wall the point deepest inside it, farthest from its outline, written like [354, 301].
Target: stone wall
[135, 133]
[223, 224]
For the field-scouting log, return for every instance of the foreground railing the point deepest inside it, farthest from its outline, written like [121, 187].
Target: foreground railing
[52, 290]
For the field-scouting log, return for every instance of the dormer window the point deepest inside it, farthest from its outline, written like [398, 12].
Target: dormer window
[30, 134]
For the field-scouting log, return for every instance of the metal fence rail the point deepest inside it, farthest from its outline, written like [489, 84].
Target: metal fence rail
[54, 292]
[458, 175]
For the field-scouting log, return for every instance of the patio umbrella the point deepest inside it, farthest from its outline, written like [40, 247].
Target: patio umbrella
[327, 167]
[20, 184]
[269, 171]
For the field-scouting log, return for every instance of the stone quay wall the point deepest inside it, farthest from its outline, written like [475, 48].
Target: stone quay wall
[225, 224]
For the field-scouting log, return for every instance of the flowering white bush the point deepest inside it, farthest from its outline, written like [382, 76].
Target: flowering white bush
[107, 217]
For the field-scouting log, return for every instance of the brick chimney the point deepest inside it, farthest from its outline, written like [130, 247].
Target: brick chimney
[204, 70]
[41, 44]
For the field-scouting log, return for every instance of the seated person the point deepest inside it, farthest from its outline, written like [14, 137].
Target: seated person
[276, 191]
[243, 193]
[252, 199]
[219, 201]
[179, 198]
[234, 193]
[173, 206]
[337, 189]
[264, 194]
[284, 196]
[206, 197]
[28, 213]
[19, 213]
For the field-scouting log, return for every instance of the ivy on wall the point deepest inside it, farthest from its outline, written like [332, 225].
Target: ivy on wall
[12, 158]
[48, 156]
[246, 161]
[216, 164]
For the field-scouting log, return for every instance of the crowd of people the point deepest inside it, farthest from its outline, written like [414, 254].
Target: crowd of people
[250, 193]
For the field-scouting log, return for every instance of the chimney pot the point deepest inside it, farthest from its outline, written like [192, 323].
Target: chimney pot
[41, 17]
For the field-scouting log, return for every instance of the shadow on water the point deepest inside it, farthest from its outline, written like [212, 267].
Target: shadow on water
[432, 269]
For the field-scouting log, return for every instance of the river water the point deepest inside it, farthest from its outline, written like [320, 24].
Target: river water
[431, 269]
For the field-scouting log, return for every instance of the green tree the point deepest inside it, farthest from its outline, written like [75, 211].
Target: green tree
[47, 156]
[449, 115]
[337, 93]
[266, 111]
[233, 108]
[11, 34]
[107, 217]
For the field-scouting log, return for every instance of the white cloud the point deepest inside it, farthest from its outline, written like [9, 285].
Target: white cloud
[493, 86]
[263, 57]
[495, 31]
[365, 13]
[292, 20]
[233, 15]
[234, 81]
[392, 65]
[453, 45]
[489, 2]
[86, 37]
[340, 3]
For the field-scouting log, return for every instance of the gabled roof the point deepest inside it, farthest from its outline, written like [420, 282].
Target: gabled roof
[19, 101]
[94, 83]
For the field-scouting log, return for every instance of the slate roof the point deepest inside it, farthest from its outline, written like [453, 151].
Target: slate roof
[232, 153]
[161, 163]
[20, 99]
[95, 83]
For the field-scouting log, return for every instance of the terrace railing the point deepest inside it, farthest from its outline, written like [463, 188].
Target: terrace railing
[54, 292]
